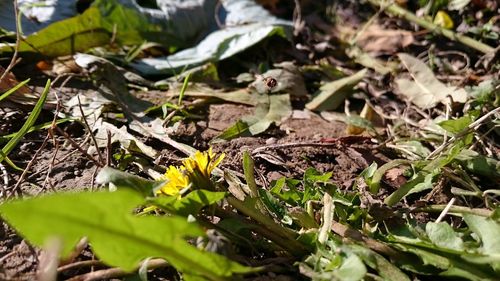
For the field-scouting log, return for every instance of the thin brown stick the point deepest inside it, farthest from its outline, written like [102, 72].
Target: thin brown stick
[87, 126]
[80, 264]
[14, 59]
[116, 272]
[30, 164]
[292, 145]
[472, 127]
[15, 189]
[108, 149]
[75, 145]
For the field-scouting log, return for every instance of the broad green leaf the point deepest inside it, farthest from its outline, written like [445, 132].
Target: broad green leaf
[272, 204]
[360, 122]
[311, 180]
[479, 164]
[385, 269]
[191, 204]
[457, 125]
[443, 235]
[27, 125]
[352, 269]
[488, 230]
[424, 89]
[239, 129]
[287, 191]
[275, 110]
[118, 178]
[332, 94]
[95, 27]
[117, 236]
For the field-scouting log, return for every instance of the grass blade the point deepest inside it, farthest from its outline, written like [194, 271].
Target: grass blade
[15, 88]
[27, 125]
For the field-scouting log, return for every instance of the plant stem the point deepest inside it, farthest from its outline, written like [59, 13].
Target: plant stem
[454, 210]
[282, 236]
[396, 10]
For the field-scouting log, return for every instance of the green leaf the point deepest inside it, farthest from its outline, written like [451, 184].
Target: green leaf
[332, 94]
[125, 180]
[270, 109]
[239, 129]
[311, 180]
[218, 45]
[191, 204]
[290, 194]
[117, 236]
[479, 164]
[385, 269]
[13, 89]
[374, 183]
[272, 204]
[422, 181]
[95, 27]
[457, 125]
[351, 269]
[488, 230]
[443, 235]
[358, 121]
[27, 125]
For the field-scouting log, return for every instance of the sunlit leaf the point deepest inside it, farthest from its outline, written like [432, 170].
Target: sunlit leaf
[117, 237]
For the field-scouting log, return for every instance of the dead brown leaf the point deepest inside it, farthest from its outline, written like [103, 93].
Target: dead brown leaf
[378, 41]
[395, 178]
[23, 98]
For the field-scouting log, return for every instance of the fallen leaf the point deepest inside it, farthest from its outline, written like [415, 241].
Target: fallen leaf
[332, 94]
[377, 40]
[270, 109]
[23, 96]
[288, 77]
[424, 89]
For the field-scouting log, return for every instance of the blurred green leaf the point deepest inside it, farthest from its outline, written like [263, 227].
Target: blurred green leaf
[443, 235]
[191, 204]
[457, 125]
[117, 236]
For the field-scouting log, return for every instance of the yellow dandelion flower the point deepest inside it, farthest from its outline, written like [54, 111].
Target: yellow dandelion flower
[203, 163]
[177, 181]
